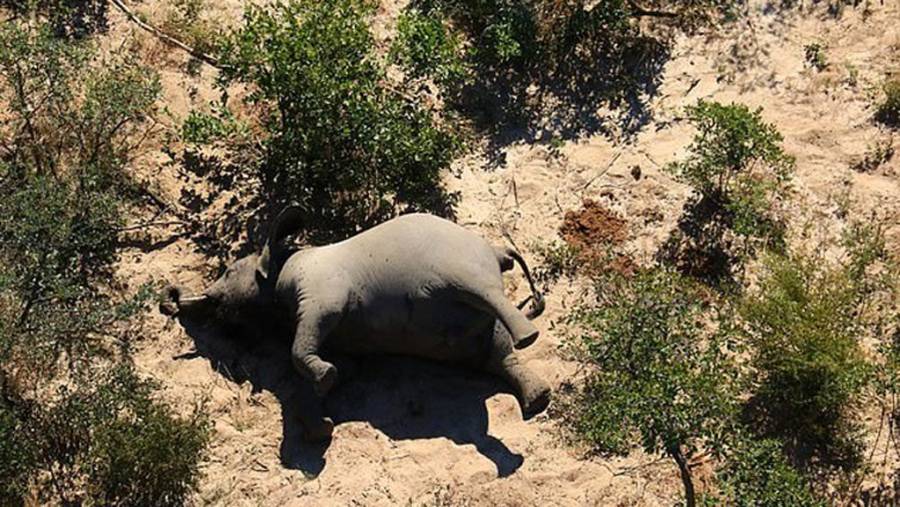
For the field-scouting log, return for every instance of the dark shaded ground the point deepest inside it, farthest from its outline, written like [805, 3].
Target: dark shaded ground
[405, 398]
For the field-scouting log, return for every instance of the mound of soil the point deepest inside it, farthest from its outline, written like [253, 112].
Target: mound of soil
[594, 225]
[595, 231]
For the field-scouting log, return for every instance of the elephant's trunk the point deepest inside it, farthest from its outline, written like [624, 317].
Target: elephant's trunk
[176, 304]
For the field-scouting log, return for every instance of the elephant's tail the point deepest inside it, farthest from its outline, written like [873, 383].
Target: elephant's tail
[507, 258]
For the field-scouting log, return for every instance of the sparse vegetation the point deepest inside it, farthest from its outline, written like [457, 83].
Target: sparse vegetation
[185, 20]
[888, 110]
[878, 154]
[740, 175]
[350, 149]
[815, 56]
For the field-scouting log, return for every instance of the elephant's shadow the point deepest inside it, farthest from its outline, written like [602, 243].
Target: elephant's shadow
[403, 397]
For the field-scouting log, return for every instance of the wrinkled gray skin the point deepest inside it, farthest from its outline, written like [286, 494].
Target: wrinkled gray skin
[416, 285]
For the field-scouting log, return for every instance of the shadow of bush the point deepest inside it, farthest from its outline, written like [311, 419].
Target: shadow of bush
[68, 18]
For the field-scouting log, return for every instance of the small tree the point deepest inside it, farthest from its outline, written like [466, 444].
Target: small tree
[341, 142]
[656, 378]
[740, 175]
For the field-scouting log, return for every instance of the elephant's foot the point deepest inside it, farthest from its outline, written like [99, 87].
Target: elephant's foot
[526, 339]
[322, 373]
[319, 431]
[531, 391]
[325, 379]
[534, 400]
[523, 332]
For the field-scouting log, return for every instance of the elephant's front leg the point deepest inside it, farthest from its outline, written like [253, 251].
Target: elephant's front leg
[532, 391]
[313, 327]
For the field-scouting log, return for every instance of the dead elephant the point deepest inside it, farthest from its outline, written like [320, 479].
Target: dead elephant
[416, 285]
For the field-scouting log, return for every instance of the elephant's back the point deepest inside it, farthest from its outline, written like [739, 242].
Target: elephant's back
[426, 241]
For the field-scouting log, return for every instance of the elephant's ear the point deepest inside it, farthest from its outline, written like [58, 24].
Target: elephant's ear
[286, 223]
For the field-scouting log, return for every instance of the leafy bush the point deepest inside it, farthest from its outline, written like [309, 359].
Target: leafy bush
[756, 473]
[740, 174]
[146, 455]
[658, 376]
[104, 440]
[806, 322]
[205, 128]
[68, 18]
[556, 260]
[428, 49]
[63, 147]
[888, 111]
[344, 145]
[16, 459]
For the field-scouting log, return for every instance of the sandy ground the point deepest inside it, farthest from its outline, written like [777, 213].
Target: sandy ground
[413, 433]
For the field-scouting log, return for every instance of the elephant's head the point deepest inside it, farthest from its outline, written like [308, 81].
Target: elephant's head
[247, 285]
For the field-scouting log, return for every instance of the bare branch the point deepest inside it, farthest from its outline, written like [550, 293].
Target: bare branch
[168, 39]
[639, 11]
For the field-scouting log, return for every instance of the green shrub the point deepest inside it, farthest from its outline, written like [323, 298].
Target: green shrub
[426, 48]
[105, 441]
[70, 122]
[68, 18]
[350, 150]
[184, 19]
[556, 260]
[16, 459]
[888, 111]
[205, 128]
[740, 174]
[805, 323]
[144, 454]
[756, 473]
[70, 119]
[657, 377]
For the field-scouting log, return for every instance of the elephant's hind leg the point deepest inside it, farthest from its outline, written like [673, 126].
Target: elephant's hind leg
[532, 392]
[492, 300]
